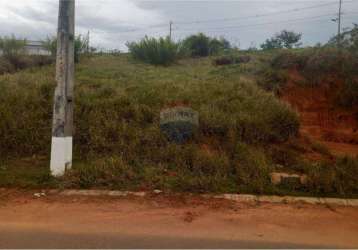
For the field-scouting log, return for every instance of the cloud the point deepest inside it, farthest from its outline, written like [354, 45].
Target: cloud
[113, 22]
[36, 19]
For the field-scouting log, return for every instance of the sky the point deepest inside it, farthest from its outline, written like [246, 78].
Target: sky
[244, 23]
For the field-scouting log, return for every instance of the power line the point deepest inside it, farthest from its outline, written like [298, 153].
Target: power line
[266, 23]
[164, 25]
[261, 15]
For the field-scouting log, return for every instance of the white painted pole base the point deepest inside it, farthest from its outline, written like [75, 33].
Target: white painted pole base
[61, 155]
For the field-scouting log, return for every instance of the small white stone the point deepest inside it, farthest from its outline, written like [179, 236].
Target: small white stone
[157, 191]
[37, 195]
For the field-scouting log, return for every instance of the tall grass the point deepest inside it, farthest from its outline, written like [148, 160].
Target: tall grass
[161, 51]
[117, 117]
[14, 56]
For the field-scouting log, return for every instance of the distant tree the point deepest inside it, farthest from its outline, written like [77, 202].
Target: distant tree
[81, 46]
[348, 39]
[272, 43]
[284, 39]
[50, 44]
[226, 45]
[289, 39]
[200, 45]
[156, 51]
[11, 46]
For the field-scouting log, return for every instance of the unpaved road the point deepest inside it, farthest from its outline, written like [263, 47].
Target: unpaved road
[169, 222]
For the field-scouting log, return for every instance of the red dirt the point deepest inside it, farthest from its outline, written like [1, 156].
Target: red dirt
[183, 217]
[321, 119]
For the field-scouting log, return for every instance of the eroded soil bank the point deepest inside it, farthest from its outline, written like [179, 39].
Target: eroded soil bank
[321, 118]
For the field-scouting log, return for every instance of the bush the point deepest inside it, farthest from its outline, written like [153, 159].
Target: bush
[6, 66]
[286, 59]
[81, 46]
[339, 178]
[13, 63]
[271, 79]
[284, 39]
[201, 45]
[11, 46]
[348, 96]
[162, 51]
[227, 60]
[252, 169]
[325, 62]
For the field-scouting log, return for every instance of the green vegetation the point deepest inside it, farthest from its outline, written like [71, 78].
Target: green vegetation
[164, 51]
[117, 117]
[284, 39]
[14, 57]
[245, 131]
[316, 65]
[11, 46]
[161, 51]
[337, 178]
[201, 45]
[82, 46]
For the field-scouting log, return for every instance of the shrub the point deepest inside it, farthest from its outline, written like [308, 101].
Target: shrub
[348, 96]
[286, 59]
[162, 51]
[272, 80]
[252, 169]
[325, 62]
[11, 46]
[227, 60]
[284, 39]
[13, 63]
[337, 178]
[81, 46]
[201, 45]
[6, 66]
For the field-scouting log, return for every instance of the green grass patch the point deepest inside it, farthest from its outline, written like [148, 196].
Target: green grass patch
[118, 143]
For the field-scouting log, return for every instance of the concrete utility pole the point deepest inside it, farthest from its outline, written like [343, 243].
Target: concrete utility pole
[61, 150]
[170, 29]
[339, 24]
[88, 43]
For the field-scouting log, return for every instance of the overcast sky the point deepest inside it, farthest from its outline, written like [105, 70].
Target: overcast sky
[243, 22]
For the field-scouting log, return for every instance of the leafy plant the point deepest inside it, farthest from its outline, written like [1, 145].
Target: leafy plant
[81, 46]
[161, 51]
[284, 39]
[201, 45]
[11, 46]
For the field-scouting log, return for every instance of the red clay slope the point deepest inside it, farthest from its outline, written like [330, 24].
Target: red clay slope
[321, 119]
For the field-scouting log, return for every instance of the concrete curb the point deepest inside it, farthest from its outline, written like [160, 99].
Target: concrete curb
[231, 197]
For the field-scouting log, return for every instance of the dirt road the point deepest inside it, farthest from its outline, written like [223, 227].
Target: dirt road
[169, 222]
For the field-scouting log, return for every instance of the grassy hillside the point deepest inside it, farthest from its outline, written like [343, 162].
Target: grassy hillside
[245, 132]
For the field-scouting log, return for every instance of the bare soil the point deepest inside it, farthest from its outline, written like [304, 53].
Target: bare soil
[184, 216]
[321, 118]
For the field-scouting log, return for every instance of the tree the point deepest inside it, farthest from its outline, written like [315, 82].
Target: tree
[81, 46]
[348, 39]
[284, 39]
[11, 46]
[272, 43]
[198, 45]
[202, 45]
[50, 44]
[289, 39]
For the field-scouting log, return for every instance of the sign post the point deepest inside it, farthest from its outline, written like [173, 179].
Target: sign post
[62, 127]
